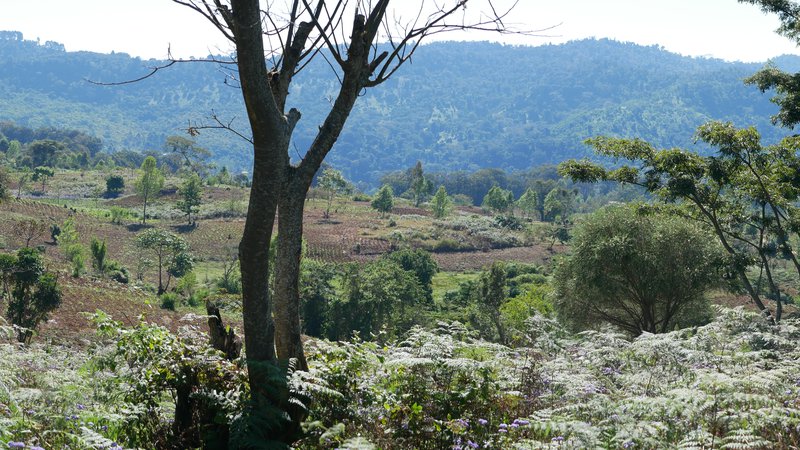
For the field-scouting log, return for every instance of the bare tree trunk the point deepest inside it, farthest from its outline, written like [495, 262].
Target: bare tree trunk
[287, 274]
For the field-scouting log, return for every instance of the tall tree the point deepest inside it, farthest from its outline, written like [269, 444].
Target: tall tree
[441, 203]
[746, 193]
[149, 183]
[638, 271]
[420, 186]
[303, 31]
[498, 199]
[190, 156]
[332, 183]
[528, 202]
[191, 192]
[171, 252]
[384, 200]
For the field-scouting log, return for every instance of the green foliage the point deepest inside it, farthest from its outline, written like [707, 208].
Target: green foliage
[99, 250]
[498, 199]
[5, 184]
[558, 204]
[441, 205]
[640, 273]
[377, 296]
[118, 213]
[170, 252]
[316, 294]
[44, 153]
[332, 183]
[191, 192]
[42, 173]
[168, 300]
[151, 366]
[528, 203]
[745, 193]
[492, 294]
[149, 183]
[69, 242]
[383, 201]
[115, 185]
[186, 155]
[420, 263]
[685, 389]
[420, 186]
[35, 293]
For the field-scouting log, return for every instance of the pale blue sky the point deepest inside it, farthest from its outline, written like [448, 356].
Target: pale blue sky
[719, 28]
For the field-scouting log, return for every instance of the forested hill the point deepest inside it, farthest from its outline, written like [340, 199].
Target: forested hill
[457, 106]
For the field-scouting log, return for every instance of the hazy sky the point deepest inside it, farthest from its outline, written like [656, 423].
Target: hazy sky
[719, 28]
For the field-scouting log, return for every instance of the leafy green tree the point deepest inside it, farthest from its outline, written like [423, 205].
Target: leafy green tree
[441, 203]
[376, 295]
[35, 295]
[332, 183]
[190, 156]
[492, 294]
[115, 184]
[45, 152]
[99, 250]
[421, 264]
[191, 192]
[640, 272]
[785, 85]
[8, 264]
[528, 203]
[22, 181]
[384, 200]
[498, 199]
[171, 255]
[42, 174]
[746, 194]
[149, 184]
[558, 204]
[69, 242]
[316, 294]
[420, 185]
[5, 184]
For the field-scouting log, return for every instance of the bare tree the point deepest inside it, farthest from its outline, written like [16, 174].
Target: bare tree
[364, 44]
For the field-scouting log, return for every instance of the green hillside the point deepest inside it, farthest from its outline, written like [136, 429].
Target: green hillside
[457, 106]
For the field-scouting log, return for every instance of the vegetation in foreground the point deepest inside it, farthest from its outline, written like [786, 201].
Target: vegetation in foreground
[730, 384]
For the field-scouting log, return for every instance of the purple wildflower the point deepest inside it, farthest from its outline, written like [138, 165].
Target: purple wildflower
[628, 444]
[14, 444]
[80, 406]
[473, 444]
[483, 421]
[558, 439]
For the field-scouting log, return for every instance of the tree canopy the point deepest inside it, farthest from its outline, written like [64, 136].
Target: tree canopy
[638, 271]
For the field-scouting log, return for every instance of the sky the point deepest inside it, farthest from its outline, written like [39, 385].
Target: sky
[722, 29]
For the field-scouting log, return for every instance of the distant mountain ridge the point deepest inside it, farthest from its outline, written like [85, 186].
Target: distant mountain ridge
[458, 105]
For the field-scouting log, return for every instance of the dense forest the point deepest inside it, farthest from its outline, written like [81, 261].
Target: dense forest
[538, 109]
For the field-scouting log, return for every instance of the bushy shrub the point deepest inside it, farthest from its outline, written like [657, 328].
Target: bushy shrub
[169, 300]
[115, 184]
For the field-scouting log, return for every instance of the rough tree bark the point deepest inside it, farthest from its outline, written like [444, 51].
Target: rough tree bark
[278, 185]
